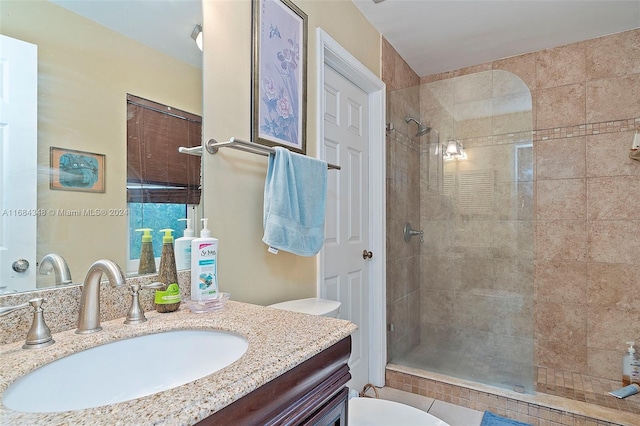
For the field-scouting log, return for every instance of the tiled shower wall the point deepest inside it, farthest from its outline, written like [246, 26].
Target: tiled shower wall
[586, 108]
[403, 203]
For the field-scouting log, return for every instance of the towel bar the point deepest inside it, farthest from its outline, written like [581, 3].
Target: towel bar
[212, 146]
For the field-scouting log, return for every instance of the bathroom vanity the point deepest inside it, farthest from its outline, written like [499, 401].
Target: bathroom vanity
[294, 371]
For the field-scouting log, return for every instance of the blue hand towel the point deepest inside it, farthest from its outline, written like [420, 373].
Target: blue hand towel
[490, 419]
[295, 195]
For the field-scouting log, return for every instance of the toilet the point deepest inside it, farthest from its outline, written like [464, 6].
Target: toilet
[312, 305]
[380, 412]
[364, 411]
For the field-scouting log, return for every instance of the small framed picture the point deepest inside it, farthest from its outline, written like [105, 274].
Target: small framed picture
[279, 77]
[76, 170]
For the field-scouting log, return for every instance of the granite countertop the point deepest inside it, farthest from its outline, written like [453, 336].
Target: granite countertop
[278, 341]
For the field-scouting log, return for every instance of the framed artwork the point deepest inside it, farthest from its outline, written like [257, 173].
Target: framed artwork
[76, 170]
[279, 77]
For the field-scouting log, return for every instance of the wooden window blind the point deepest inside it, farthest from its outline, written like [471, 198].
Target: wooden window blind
[156, 171]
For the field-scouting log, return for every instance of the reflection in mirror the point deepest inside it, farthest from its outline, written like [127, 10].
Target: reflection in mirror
[83, 73]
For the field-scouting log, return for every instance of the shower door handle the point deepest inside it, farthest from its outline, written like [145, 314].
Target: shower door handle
[367, 254]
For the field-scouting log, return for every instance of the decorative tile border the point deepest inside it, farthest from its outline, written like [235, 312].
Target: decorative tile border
[556, 133]
[587, 129]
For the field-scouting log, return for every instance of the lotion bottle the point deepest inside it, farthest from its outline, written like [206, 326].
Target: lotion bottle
[630, 366]
[167, 298]
[147, 263]
[204, 265]
[183, 247]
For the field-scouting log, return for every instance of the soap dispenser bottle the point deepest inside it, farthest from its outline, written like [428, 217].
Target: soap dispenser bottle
[204, 265]
[630, 366]
[147, 263]
[167, 298]
[183, 247]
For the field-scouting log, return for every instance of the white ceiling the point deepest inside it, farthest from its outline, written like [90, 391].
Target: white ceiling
[431, 35]
[435, 35]
[164, 25]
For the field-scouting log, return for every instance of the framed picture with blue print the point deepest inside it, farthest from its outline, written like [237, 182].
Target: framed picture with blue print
[279, 78]
[73, 170]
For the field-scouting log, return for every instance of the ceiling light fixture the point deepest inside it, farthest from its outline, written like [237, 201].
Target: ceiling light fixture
[196, 35]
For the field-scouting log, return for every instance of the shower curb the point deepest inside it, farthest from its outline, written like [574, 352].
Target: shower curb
[538, 409]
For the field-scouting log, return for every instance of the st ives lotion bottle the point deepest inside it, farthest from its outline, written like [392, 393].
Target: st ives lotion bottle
[204, 265]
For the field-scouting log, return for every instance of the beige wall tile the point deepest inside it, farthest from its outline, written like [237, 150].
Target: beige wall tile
[513, 239]
[471, 128]
[388, 65]
[473, 87]
[561, 199]
[561, 282]
[560, 158]
[613, 285]
[475, 273]
[614, 241]
[561, 66]
[438, 94]
[613, 55]
[561, 240]
[613, 198]
[560, 106]
[440, 273]
[605, 363]
[608, 155]
[565, 349]
[613, 98]
[512, 123]
[436, 306]
[610, 328]
[514, 201]
[524, 66]
[514, 275]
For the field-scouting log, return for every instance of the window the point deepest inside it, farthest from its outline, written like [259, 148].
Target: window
[163, 185]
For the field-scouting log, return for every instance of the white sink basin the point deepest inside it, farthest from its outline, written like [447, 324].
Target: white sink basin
[124, 370]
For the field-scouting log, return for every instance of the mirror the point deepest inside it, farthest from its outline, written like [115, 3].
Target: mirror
[84, 72]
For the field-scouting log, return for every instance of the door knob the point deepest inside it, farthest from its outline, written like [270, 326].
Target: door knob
[367, 255]
[20, 265]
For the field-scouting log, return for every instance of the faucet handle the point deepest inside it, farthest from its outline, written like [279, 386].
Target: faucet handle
[136, 313]
[39, 335]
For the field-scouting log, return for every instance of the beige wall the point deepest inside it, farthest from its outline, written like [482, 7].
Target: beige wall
[84, 74]
[234, 181]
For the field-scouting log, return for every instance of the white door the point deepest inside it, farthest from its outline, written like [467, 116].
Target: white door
[18, 163]
[346, 271]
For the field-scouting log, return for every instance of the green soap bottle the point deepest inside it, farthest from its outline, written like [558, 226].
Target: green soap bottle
[147, 263]
[167, 298]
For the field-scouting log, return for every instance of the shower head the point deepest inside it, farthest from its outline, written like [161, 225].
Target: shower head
[422, 129]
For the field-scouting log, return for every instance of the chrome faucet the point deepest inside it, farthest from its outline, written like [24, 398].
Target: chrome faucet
[39, 335]
[55, 262]
[89, 315]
